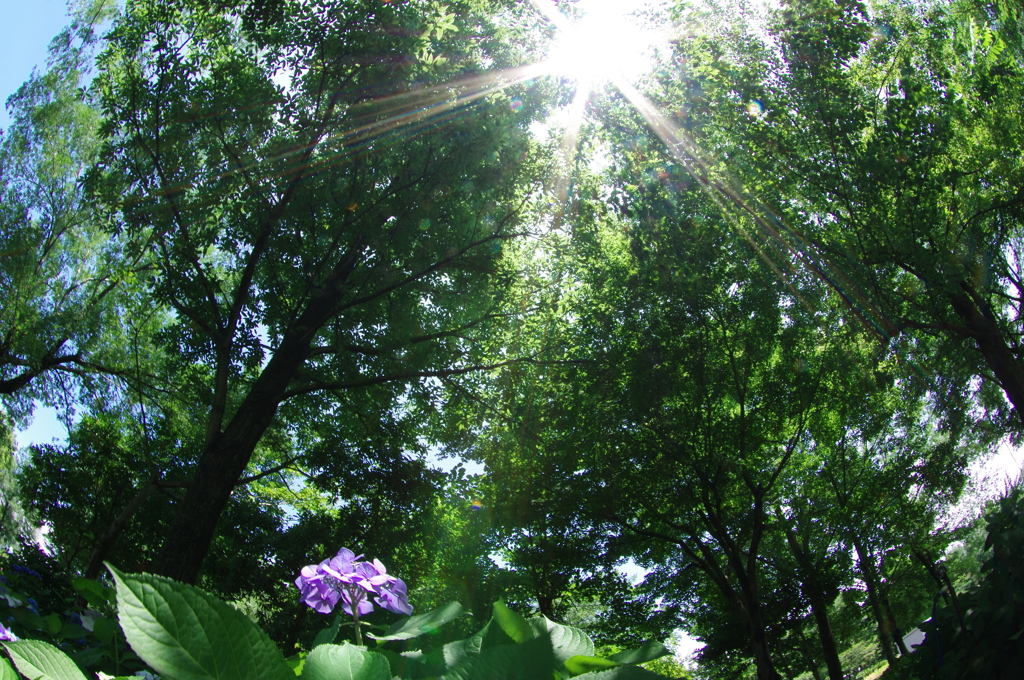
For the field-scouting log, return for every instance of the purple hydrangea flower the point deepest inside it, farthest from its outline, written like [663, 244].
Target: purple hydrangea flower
[6, 635]
[25, 570]
[346, 580]
[394, 597]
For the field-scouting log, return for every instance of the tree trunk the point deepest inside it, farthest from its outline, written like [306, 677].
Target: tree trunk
[867, 570]
[988, 337]
[546, 606]
[811, 586]
[941, 578]
[744, 569]
[225, 459]
[109, 537]
[757, 636]
[828, 641]
[805, 647]
[221, 466]
[746, 605]
[897, 634]
[762, 659]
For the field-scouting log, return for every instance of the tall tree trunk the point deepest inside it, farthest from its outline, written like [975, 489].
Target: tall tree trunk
[941, 578]
[757, 641]
[867, 571]
[221, 466]
[819, 607]
[897, 633]
[745, 602]
[757, 635]
[811, 585]
[805, 647]
[546, 606]
[225, 459]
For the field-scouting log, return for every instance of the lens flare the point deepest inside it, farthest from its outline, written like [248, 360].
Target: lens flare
[607, 42]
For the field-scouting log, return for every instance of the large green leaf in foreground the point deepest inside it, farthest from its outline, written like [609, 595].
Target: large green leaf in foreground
[345, 662]
[6, 672]
[38, 660]
[414, 626]
[621, 673]
[566, 641]
[530, 660]
[186, 634]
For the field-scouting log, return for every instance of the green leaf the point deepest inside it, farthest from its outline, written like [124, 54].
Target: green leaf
[29, 619]
[490, 635]
[566, 641]
[621, 673]
[53, 624]
[297, 661]
[89, 656]
[6, 672]
[530, 660]
[184, 633]
[38, 660]
[517, 627]
[345, 662]
[416, 664]
[414, 626]
[72, 631]
[328, 635]
[104, 630]
[584, 664]
[94, 592]
[649, 651]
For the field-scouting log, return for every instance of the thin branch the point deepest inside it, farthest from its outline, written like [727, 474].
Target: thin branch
[412, 375]
[274, 470]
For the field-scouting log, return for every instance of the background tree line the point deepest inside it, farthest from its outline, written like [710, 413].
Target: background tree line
[275, 256]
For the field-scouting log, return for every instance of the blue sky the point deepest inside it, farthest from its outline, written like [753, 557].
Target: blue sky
[26, 29]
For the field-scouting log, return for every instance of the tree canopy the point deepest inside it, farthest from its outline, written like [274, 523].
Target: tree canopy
[743, 322]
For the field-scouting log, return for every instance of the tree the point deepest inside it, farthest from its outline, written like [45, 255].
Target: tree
[15, 522]
[707, 384]
[981, 641]
[329, 246]
[62, 280]
[880, 149]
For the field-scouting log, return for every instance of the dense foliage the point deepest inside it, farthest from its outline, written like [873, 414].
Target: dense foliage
[743, 324]
[977, 636]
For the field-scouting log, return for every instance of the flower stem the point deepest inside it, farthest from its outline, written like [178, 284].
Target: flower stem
[355, 596]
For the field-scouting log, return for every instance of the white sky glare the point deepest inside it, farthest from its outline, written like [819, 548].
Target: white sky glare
[607, 40]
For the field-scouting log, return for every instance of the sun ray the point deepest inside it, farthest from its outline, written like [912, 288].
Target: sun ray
[591, 51]
[724, 190]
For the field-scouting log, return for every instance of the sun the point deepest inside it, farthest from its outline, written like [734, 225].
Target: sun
[607, 43]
